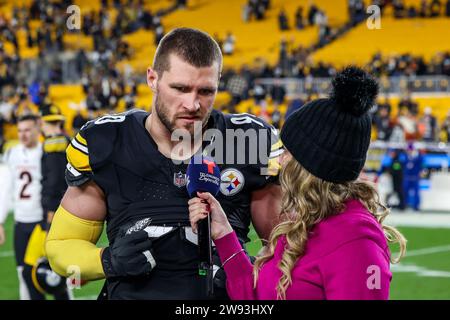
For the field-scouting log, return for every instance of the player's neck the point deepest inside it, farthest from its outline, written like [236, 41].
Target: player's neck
[170, 149]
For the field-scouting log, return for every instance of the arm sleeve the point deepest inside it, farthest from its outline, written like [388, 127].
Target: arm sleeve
[238, 269]
[358, 270]
[72, 242]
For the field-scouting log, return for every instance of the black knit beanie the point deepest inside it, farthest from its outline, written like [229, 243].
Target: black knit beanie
[330, 137]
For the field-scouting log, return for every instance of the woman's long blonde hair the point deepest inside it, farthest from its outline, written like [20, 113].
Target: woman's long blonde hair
[306, 200]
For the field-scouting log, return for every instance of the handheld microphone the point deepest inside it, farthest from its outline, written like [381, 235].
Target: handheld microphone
[203, 175]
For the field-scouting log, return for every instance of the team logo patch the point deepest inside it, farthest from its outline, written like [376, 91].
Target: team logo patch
[232, 181]
[179, 179]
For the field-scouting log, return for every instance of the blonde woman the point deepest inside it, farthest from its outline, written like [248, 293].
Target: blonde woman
[331, 243]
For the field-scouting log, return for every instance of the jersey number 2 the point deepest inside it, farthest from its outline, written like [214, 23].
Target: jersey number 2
[25, 175]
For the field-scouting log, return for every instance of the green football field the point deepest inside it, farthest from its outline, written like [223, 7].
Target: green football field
[423, 274]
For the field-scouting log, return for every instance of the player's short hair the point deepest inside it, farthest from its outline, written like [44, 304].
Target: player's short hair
[29, 117]
[193, 46]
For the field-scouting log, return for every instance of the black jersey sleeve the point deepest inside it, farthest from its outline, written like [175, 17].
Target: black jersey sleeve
[91, 147]
[266, 169]
[78, 169]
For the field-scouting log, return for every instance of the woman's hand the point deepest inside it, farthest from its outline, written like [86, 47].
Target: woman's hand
[205, 204]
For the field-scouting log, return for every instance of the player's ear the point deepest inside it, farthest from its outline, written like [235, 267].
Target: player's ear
[152, 79]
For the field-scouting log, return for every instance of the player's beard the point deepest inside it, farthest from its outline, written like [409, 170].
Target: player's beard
[163, 114]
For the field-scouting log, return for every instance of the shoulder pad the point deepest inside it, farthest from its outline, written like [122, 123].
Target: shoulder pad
[249, 121]
[245, 121]
[97, 138]
[91, 148]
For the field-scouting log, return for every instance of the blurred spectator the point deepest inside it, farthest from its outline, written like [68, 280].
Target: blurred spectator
[356, 11]
[2, 138]
[312, 14]
[123, 50]
[30, 40]
[276, 118]
[37, 92]
[399, 8]
[283, 23]
[246, 12]
[445, 129]
[81, 61]
[412, 170]
[254, 8]
[181, 4]
[92, 102]
[321, 20]
[395, 168]
[423, 9]
[294, 105]
[386, 105]
[408, 103]
[147, 19]
[259, 10]
[412, 12]
[299, 24]
[428, 126]
[6, 107]
[383, 123]
[237, 86]
[408, 123]
[265, 4]
[228, 44]
[6, 115]
[447, 8]
[263, 113]
[278, 92]
[259, 93]
[398, 134]
[48, 37]
[435, 8]
[59, 39]
[78, 121]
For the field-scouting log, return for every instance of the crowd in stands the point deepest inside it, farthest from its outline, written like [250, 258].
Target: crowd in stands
[427, 9]
[106, 33]
[255, 10]
[107, 89]
[410, 65]
[408, 124]
[314, 16]
[227, 44]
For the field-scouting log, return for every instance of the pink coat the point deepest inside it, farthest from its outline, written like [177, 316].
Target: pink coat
[346, 257]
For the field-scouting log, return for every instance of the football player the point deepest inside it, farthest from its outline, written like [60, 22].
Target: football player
[22, 192]
[53, 159]
[53, 166]
[122, 170]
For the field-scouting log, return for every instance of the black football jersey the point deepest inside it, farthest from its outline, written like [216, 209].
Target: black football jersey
[140, 183]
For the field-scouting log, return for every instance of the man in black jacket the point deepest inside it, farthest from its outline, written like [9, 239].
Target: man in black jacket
[53, 160]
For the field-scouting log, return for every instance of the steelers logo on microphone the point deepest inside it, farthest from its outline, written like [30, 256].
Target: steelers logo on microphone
[232, 181]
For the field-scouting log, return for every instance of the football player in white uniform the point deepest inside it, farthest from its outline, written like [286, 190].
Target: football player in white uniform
[21, 191]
